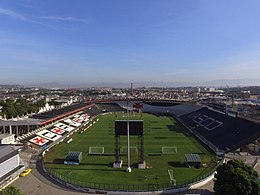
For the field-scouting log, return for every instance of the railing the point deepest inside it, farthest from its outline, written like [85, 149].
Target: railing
[84, 185]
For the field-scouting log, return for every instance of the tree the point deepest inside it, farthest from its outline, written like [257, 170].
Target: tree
[236, 178]
[41, 103]
[9, 108]
[10, 190]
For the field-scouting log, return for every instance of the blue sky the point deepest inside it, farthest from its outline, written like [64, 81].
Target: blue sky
[114, 41]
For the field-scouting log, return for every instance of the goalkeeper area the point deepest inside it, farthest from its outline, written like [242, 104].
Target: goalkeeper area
[169, 150]
[96, 150]
[124, 150]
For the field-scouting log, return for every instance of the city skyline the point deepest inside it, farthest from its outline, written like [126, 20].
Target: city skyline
[95, 42]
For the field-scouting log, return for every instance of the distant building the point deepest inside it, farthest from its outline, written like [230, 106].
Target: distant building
[132, 89]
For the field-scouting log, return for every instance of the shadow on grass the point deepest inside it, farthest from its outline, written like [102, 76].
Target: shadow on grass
[156, 128]
[61, 162]
[176, 164]
[107, 154]
[98, 164]
[84, 169]
[135, 165]
[154, 121]
[56, 161]
[199, 153]
[161, 137]
[177, 128]
[155, 154]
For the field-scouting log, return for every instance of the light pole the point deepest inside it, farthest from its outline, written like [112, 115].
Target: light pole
[128, 142]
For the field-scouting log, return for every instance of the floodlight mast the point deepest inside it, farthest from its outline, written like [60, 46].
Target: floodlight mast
[128, 141]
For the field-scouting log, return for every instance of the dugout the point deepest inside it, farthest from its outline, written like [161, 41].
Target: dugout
[73, 158]
[193, 160]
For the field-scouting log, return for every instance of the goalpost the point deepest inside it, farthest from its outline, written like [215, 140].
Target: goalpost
[169, 150]
[96, 150]
[133, 149]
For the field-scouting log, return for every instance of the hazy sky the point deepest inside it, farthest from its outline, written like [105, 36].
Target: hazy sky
[99, 41]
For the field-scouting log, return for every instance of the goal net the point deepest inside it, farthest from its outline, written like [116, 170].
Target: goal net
[169, 149]
[133, 149]
[96, 150]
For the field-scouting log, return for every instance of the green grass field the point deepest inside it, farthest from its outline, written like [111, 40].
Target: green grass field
[159, 131]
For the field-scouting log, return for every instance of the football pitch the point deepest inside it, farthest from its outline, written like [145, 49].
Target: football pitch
[159, 132]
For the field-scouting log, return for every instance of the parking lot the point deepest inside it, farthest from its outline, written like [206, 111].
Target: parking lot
[36, 184]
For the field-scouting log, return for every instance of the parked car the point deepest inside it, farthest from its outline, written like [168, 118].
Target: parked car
[25, 172]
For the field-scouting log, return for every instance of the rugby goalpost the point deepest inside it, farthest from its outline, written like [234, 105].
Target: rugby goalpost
[96, 150]
[169, 150]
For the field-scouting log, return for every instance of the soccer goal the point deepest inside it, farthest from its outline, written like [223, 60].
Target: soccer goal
[169, 150]
[133, 149]
[96, 150]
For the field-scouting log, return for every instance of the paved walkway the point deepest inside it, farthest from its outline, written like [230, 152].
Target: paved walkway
[32, 185]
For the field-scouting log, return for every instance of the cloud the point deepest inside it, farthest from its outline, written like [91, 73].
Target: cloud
[19, 16]
[12, 14]
[67, 19]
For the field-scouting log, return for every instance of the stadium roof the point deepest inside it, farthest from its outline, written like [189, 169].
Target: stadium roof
[6, 152]
[176, 109]
[53, 115]
[20, 122]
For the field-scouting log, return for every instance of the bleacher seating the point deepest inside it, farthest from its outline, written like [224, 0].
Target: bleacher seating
[54, 113]
[225, 132]
[110, 107]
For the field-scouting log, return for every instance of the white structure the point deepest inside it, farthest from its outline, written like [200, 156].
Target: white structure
[9, 160]
[7, 139]
[254, 147]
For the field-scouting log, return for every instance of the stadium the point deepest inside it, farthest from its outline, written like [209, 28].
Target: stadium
[177, 146]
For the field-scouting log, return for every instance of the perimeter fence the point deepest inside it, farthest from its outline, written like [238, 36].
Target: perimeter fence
[80, 184]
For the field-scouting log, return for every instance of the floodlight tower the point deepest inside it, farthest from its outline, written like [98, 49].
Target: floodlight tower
[129, 170]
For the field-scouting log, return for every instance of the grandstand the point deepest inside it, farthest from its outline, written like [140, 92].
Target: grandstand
[220, 131]
[110, 107]
[225, 132]
[164, 103]
[67, 122]
[175, 109]
[53, 115]
[20, 127]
